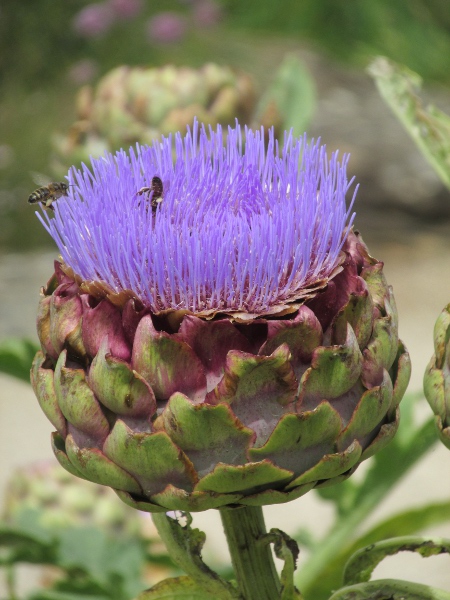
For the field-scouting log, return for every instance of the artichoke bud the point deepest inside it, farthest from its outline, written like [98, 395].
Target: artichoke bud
[436, 378]
[190, 366]
[137, 104]
[64, 501]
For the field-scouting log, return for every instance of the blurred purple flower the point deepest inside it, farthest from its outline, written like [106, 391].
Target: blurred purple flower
[166, 28]
[94, 20]
[207, 13]
[237, 229]
[83, 71]
[126, 9]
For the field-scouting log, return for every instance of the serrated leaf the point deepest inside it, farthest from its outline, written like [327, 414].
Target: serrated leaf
[390, 589]
[16, 356]
[290, 99]
[429, 127]
[360, 566]
[177, 588]
[102, 558]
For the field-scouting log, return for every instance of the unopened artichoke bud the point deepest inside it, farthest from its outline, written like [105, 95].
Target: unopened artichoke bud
[136, 104]
[64, 501]
[234, 344]
[437, 376]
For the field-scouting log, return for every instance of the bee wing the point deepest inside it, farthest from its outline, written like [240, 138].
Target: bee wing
[40, 178]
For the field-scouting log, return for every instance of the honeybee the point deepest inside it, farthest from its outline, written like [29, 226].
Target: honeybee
[156, 189]
[48, 193]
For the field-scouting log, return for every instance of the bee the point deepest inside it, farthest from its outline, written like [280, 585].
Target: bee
[48, 193]
[156, 189]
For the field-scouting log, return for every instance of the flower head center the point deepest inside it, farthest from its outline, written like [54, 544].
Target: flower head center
[231, 227]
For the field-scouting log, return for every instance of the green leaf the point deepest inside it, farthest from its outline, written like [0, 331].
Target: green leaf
[28, 523]
[390, 589]
[289, 102]
[20, 546]
[177, 588]
[429, 127]
[404, 523]
[113, 563]
[76, 585]
[58, 595]
[16, 356]
[360, 566]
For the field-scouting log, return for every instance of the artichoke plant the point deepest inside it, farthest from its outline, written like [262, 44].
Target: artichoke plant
[236, 346]
[137, 104]
[436, 379]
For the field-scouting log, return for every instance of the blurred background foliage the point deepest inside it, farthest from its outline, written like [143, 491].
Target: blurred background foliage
[48, 50]
[415, 33]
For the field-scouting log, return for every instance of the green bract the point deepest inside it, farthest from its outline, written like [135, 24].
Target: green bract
[436, 379]
[179, 412]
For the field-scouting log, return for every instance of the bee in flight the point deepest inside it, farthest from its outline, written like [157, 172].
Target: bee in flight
[156, 189]
[48, 193]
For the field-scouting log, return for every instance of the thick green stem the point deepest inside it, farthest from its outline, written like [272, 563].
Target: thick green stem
[252, 558]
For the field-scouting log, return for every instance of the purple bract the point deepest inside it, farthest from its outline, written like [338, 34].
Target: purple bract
[243, 226]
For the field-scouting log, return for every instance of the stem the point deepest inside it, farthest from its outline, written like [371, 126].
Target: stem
[252, 559]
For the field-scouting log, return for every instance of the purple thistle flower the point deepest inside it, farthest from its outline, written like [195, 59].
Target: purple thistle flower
[207, 13]
[93, 20]
[241, 228]
[166, 27]
[126, 9]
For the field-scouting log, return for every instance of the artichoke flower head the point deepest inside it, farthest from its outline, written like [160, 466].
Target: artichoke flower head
[230, 342]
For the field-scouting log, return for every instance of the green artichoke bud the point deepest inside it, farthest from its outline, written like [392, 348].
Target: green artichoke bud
[436, 379]
[235, 346]
[64, 501]
[136, 104]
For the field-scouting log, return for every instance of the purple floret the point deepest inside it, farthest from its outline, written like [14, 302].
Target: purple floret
[240, 227]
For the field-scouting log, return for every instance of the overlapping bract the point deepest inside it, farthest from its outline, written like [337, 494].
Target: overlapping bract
[188, 413]
[437, 376]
